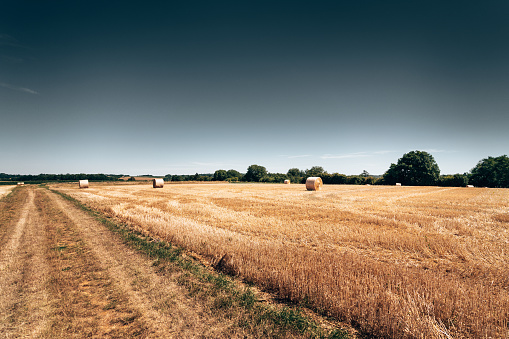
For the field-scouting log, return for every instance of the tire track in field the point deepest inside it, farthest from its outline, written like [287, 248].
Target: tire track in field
[162, 303]
[24, 299]
[7, 254]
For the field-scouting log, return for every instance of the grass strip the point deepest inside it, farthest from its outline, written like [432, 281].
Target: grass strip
[227, 293]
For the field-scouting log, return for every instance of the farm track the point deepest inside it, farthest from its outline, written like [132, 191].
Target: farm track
[24, 301]
[63, 274]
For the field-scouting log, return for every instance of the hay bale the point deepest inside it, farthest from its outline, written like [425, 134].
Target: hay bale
[398, 184]
[313, 183]
[83, 183]
[158, 183]
[287, 181]
[21, 183]
[470, 186]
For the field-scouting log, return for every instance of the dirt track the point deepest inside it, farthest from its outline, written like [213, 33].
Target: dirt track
[63, 274]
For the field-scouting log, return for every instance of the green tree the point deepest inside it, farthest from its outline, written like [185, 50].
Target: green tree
[295, 172]
[354, 180]
[491, 172]
[456, 180]
[365, 174]
[233, 174]
[416, 168]
[315, 171]
[255, 173]
[220, 175]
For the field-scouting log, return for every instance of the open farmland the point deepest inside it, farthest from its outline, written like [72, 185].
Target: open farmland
[68, 272]
[424, 262]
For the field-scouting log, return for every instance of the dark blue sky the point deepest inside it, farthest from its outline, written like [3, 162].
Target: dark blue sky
[195, 86]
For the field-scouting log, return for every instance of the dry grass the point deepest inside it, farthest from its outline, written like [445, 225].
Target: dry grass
[413, 262]
[4, 190]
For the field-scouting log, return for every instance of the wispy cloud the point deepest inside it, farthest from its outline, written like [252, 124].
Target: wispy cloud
[346, 156]
[356, 155]
[296, 156]
[384, 152]
[211, 164]
[7, 40]
[433, 150]
[18, 88]
[10, 59]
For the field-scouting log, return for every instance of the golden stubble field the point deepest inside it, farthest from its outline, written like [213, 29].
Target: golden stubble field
[417, 262]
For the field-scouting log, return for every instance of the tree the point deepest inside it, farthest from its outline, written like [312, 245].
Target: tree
[365, 174]
[255, 173]
[230, 174]
[315, 171]
[456, 180]
[491, 172]
[220, 175]
[295, 172]
[416, 168]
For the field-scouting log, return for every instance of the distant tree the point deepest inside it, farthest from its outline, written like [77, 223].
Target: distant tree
[255, 173]
[131, 179]
[274, 177]
[491, 172]
[354, 180]
[233, 174]
[456, 180]
[416, 168]
[295, 172]
[220, 175]
[334, 178]
[365, 173]
[369, 180]
[315, 171]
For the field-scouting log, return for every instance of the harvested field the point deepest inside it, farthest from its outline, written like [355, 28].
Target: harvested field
[64, 274]
[416, 262]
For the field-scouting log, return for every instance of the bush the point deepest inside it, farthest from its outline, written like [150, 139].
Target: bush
[456, 180]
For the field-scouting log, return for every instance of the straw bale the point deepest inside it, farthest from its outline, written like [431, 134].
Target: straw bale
[158, 183]
[470, 186]
[398, 184]
[83, 183]
[313, 183]
[287, 181]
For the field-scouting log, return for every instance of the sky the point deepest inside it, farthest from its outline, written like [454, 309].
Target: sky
[180, 87]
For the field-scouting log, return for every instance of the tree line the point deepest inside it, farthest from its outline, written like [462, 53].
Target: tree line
[38, 178]
[416, 168]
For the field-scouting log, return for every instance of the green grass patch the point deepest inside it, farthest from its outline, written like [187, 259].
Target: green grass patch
[227, 295]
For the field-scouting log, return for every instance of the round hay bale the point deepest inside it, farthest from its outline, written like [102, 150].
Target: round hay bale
[313, 183]
[398, 184]
[83, 183]
[287, 181]
[158, 183]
